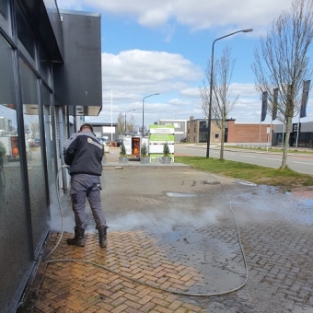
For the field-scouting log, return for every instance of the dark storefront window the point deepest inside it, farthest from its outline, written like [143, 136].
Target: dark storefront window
[15, 255]
[44, 66]
[203, 131]
[4, 8]
[51, 158]
[34, 144]
[24, 32]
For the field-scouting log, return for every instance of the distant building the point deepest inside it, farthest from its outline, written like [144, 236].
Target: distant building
[305, 135]
[108, 130]
[180, 127]
[260, 133]
[197, 131]
[248, 133]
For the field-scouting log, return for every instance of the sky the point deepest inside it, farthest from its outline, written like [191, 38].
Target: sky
[162, 47]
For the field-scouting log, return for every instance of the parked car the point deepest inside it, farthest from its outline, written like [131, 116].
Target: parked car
[119, 142]
[103, 140]
[37, 141]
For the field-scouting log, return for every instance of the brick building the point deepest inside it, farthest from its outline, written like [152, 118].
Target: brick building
[197, 131]
[247, 133]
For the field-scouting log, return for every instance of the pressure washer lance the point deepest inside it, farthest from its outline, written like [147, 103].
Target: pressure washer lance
[137, 281]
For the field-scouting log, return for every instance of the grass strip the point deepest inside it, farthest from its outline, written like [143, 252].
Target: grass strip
[248, 172]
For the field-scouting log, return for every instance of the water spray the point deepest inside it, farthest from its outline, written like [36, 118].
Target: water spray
[137, 281]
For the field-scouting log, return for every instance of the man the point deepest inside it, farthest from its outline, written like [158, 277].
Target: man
[83, 153]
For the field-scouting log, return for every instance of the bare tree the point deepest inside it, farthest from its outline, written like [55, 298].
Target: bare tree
[120, 124]
[282, 62]
[130, 125]
[222, 102]
[34, 126]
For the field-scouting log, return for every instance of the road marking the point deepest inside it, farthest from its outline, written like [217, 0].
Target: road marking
[302, 163]
[271, 159]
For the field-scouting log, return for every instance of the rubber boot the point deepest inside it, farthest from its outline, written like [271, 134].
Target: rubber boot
[79, 239]
[102, 236]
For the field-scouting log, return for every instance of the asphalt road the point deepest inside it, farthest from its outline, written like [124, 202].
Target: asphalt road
[301, 163]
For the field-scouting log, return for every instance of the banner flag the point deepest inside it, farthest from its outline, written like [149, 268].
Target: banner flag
[275, 102]
[305, 97]
[264, 105]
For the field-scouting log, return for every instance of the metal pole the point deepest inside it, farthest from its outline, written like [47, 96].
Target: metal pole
[143, 115]
[297, 140]
[143, 111]
[125, 119]
[211, 86]
[125, 124]
[210, 103]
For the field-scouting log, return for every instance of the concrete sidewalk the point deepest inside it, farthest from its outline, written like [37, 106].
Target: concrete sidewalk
[173, 246]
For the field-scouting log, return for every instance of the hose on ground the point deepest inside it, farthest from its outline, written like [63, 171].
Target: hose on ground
[138, 281]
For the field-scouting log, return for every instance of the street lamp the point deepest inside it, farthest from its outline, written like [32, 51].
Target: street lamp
[125, 119]
[143, 111]
[211, 86]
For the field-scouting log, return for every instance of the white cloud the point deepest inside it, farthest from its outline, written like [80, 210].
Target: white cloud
[197, 14]
[130, 75]
[138, 71]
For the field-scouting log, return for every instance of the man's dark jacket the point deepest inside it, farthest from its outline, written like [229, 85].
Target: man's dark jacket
[84, 153]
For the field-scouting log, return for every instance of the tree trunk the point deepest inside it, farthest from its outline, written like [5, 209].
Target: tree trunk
[286, 143]
[222, 141]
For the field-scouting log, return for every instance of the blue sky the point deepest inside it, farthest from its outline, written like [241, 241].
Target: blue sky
[163, 47]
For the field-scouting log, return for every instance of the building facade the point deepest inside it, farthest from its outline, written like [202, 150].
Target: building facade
[301, 135]
[50, 71]
[108, 130]
[180, 127]
[248, 133]
[197, 131]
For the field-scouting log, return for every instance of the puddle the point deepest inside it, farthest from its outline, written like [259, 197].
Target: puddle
[217, 261]
[180, 195]
[308, 202]
[246, 183]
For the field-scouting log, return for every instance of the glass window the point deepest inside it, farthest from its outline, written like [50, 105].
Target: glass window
[34, 144]
[44, 66]
[4, 17]
[4, 8]
[13, 222]
[24, 32]
[50, 151]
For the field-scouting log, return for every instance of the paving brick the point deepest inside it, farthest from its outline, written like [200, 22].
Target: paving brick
[145, 300]
[275, 233]
[162, 309]
[148, 307]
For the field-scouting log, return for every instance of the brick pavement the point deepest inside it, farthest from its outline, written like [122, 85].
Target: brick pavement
[174, 230]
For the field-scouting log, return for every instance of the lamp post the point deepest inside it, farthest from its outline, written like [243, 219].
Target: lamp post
[125, 119]
[211, 86]
[143, 111]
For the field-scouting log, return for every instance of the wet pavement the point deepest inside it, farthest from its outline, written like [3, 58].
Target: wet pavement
[180, 240]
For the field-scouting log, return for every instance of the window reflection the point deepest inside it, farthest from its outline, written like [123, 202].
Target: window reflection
[44, 66]
[24, 32]
[4, 8]
[46, 95]
[9, 152]
[34, 151]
